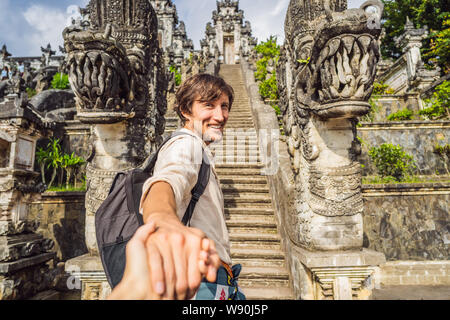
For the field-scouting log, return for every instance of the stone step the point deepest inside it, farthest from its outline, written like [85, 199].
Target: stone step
[248, 122]
[266, 262]
[233, 144]
[232, 119]
[249, 197]
[239, 229]
[248, 237]
[264, 283]
[247, 211]
[228, 169]
[262, 293]
[274, 246]
[236, 155]
[243, 204]
[236, 159]
[244, 200]
[230, 173]
[240, 147]
[258, 253]
[244, 223]
[253, 220]
[243, 167]
[263, 273]
[259, 180]
[238, 188]
[239, 135]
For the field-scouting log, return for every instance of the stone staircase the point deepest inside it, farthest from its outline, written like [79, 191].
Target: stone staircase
[255, 242]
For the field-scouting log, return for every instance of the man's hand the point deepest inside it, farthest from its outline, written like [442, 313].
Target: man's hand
[179, 257]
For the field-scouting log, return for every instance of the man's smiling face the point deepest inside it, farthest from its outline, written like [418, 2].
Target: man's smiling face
[210, 117]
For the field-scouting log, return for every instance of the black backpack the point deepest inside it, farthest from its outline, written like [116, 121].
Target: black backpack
[118, 218]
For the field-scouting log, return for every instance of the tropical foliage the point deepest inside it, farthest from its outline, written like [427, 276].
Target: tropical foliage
[269, 53]
[392, 162]
[430, 13]
[52, 158]
[380, 88]
[401, 115]
[438, 106]
[177, 74]
[60, 81]
[439, 51]
[444, 154]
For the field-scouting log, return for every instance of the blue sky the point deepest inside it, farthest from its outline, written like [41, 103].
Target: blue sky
[26, 25]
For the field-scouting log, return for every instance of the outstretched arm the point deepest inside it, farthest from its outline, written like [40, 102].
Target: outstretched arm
[179, 256]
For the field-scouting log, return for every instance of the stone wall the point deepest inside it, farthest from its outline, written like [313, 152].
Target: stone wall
[408, 221]
[415, 273]
[62, 218]
[418, 138]
[76, 138]
[389, 104]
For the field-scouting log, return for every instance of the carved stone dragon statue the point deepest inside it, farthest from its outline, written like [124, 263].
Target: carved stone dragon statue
[325, 75]
[117, 73]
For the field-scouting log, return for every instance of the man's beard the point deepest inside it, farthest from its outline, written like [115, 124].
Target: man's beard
[208, 139]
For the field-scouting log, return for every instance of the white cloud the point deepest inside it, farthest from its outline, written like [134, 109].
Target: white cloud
[281, 7]
[47, 24]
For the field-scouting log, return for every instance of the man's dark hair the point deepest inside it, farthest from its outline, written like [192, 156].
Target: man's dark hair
[202, 87]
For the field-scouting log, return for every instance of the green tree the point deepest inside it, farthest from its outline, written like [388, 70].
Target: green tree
[54, 158]
[269, 53]
[401, 115]
[392, 161]
[177, 74]
[267, 50]
[60, 81]
[43, 158]
[438, 106]
[439, 51]
[70, 163]
[422, 13]
[444, 154]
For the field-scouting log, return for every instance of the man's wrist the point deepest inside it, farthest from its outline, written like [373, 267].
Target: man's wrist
[163, 217]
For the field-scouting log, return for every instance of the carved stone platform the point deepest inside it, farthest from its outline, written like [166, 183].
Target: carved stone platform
[88, 275]
[341, 275]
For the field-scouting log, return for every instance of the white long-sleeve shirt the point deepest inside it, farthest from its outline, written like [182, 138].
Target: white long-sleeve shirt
[178, 164]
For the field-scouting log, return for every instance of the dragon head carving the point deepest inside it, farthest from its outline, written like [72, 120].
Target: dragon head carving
[111, 64]
[333, 54]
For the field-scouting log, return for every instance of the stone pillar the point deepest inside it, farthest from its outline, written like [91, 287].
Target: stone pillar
[119, 79]
[325, 74]
[23, 253]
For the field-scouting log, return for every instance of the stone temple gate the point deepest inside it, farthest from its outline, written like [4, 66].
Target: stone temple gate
[228, 38]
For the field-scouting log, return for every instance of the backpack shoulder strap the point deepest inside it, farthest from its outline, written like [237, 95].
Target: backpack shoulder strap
[151, 161]
[198, 190]
[202, 180]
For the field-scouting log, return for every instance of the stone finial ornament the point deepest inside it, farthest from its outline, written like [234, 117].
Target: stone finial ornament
[334, 54]
[4, 52]
[111, 63]
[325, 76]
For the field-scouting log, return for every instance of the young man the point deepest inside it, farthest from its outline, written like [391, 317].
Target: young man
[203, 103]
